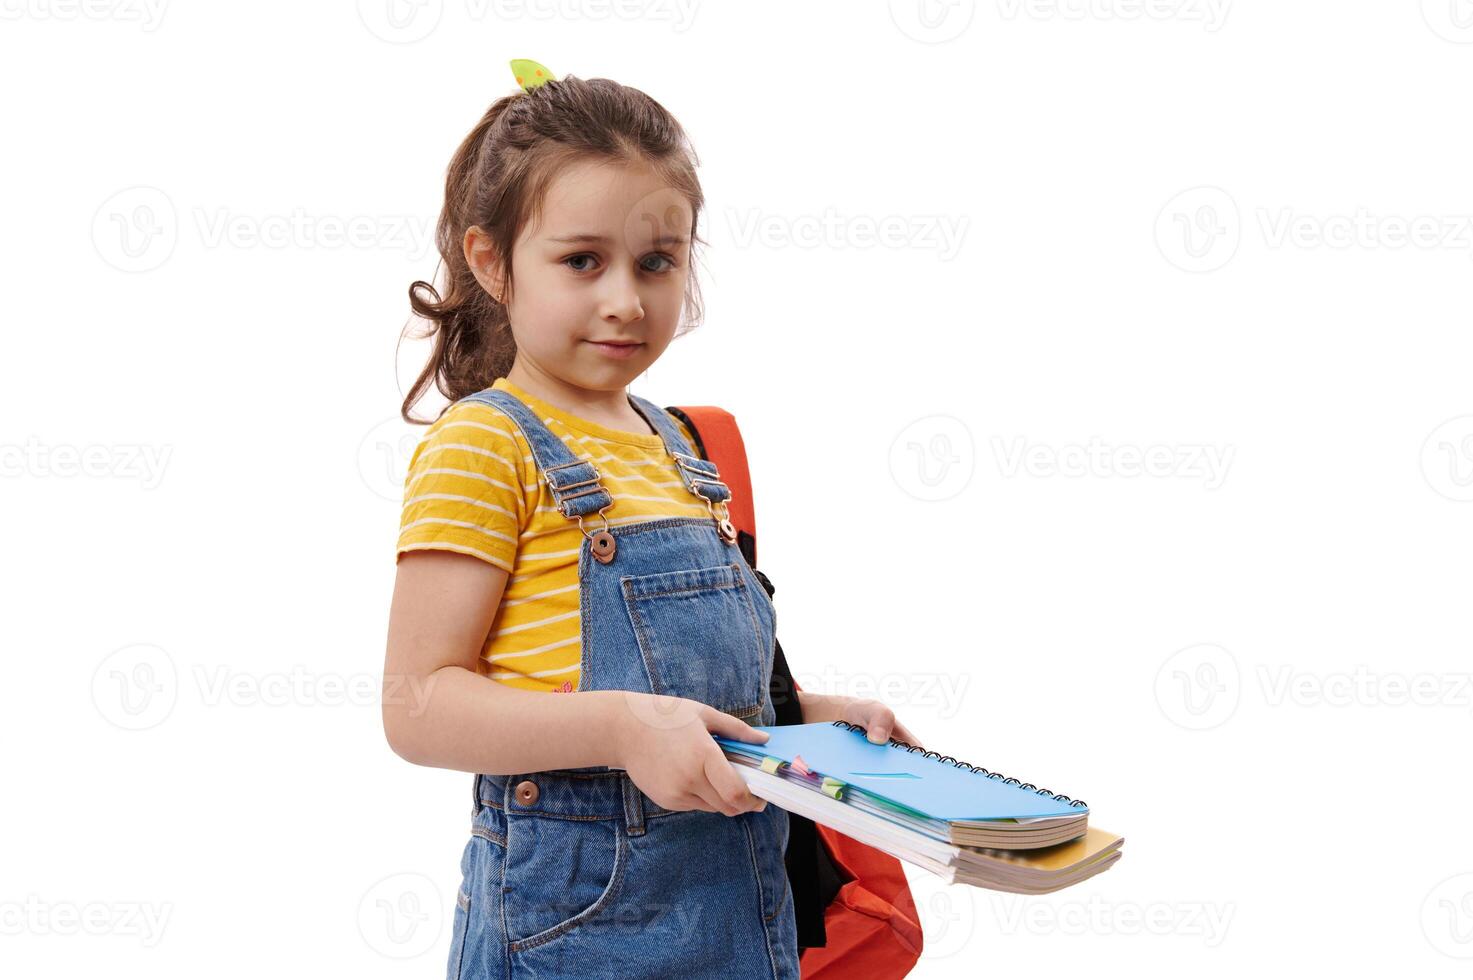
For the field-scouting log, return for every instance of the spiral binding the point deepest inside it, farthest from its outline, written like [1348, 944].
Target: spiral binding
[1008, 780]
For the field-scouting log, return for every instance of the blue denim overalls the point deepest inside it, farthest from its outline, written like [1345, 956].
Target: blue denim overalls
[575, 872]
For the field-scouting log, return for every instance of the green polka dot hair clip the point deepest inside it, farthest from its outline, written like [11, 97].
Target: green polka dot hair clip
[530, 74]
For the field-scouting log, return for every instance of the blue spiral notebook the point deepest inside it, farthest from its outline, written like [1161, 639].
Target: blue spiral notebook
[935, 794]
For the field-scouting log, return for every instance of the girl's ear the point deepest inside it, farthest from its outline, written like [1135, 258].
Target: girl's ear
[481, 257]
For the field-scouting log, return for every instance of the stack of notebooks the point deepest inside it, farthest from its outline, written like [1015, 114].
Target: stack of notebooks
[961, 822]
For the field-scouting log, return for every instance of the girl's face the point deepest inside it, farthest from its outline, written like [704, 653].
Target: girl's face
[600, 280]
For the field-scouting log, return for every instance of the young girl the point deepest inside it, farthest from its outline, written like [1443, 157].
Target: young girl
[570, 604]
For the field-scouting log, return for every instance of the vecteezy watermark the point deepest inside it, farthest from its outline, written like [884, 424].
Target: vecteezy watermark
[401, 916]
[35, 916]
[933, 458]
[932, 21]
[939, 233]
[1362, 687]
[1199, 687]
[1199, 229]
[1207, 463]
[1211, 14]
[1451, 20]
[1447, 458]
[1364, 229]
[148, 14]
[137, 687]
[298, 687]
[1097, 916]
[941, 694]
[116, 461]
[407, 21]
[635, 921]
[412, 234]
[137, 230]
[1447, 916]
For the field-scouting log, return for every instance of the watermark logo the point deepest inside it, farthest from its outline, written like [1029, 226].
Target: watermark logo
[948, 916]
[136, 229]
[1199, 229]
[401, 21]
[136, 687]
[384, 453]
[1199, 687]
[401, 916]
[1451, 20]
[932, 21]
[1447, 917]
[933, 458]
[1447, 458]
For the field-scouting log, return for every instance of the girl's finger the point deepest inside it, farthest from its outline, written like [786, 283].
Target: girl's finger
[905, 734]
[723, 724]
[730, 788]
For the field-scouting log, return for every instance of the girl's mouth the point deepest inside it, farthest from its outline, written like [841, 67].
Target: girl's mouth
[615, 350]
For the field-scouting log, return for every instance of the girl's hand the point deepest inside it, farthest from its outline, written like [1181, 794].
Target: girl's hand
[877, 719]
[667, 749]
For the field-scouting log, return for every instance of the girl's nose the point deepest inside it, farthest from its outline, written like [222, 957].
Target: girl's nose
[621, 301]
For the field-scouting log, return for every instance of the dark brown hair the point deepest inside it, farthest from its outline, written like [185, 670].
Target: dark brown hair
[497, 180]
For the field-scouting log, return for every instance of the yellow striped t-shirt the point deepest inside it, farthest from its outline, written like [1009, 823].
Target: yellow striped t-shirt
[474, 488]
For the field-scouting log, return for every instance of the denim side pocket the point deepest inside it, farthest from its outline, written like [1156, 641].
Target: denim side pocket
[699, 636]
[457, 934]
[560, 873]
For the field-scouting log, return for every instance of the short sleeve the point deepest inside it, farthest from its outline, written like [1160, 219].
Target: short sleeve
[464, 490]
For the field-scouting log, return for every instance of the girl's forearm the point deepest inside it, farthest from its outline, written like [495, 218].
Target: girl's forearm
[457, 719]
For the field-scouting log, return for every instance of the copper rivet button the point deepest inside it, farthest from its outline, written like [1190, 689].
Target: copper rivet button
[527, 792]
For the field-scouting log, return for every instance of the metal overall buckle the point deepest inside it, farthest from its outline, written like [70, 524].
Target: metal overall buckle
[724, 526]
[602, 543]
[693, 477]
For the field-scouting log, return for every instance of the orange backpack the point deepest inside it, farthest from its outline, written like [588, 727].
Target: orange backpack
[855, 913]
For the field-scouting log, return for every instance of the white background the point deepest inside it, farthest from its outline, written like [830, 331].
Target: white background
[1184, 232]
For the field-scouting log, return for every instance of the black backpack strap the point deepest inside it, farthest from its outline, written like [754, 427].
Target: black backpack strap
[811, 872]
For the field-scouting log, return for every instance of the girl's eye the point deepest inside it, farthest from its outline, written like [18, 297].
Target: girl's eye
[573, 260]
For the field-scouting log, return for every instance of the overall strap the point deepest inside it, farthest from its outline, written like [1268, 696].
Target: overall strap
[574, 482]
[719, 440]
[701, 477]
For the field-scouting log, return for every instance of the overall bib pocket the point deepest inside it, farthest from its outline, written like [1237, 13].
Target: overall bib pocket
[699, 636]
[560, 874]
